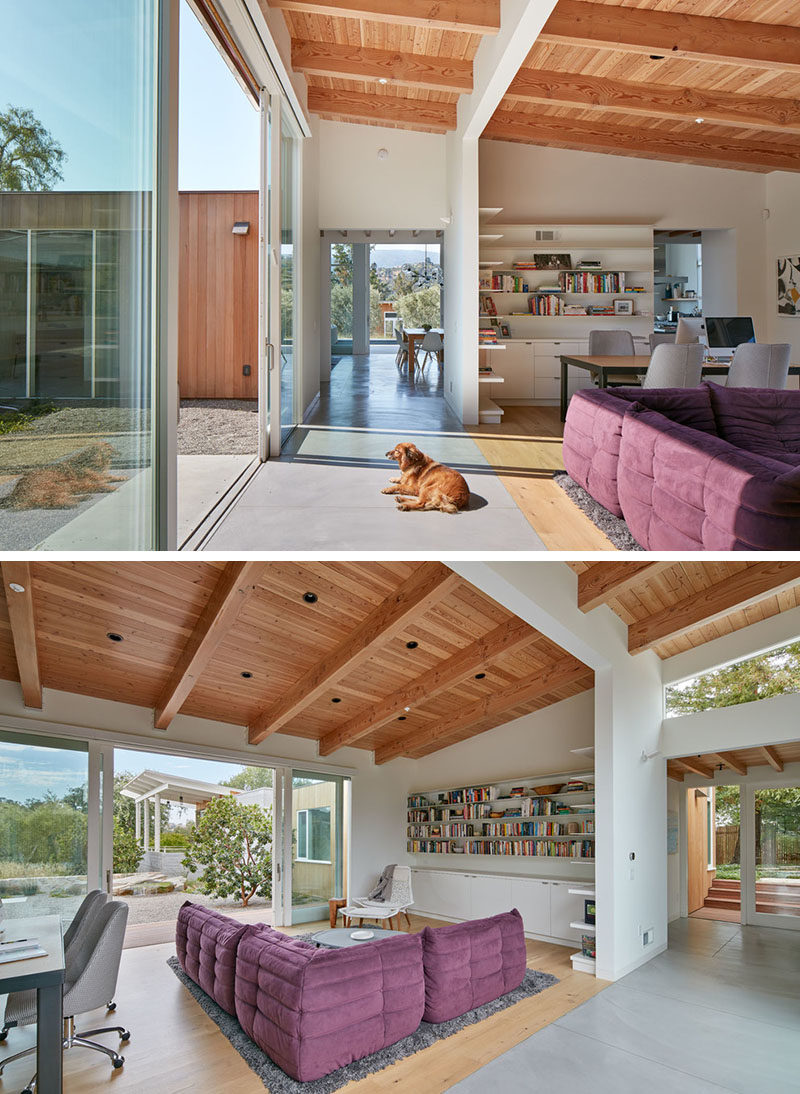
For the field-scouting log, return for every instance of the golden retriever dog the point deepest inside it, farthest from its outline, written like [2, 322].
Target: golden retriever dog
[431, 484]
[63, 485]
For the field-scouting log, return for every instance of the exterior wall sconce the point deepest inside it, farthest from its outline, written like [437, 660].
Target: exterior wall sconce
[241, 227]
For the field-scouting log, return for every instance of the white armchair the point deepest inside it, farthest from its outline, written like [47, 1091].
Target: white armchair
[391, 897]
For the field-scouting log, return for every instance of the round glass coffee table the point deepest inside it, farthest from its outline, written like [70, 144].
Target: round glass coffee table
[339, 937]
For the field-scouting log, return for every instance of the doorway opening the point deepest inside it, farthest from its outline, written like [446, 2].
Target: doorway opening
[715, 852]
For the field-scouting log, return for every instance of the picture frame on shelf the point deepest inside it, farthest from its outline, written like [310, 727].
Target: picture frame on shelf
[505, 330]
[553, 261]
[623, 307]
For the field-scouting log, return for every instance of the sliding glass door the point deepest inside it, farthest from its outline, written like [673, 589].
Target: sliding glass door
[771, 871]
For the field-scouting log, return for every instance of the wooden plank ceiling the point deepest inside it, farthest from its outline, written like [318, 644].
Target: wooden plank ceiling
[401, 658]
[738, 761]
[671, 607]
[632, 78]
[396, 63]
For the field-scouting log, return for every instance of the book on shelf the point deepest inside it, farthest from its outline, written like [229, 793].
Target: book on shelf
[504, 282]
[590, 264]
[487, 337]
[600, 309]
[574, 309]
[546, 304]
[487, 306]
[587, 282]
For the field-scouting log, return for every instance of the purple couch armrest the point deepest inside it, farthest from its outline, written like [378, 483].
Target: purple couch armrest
[206, 943]
[469, 964]
[763, 421]
[681, 489]
[315, 1010]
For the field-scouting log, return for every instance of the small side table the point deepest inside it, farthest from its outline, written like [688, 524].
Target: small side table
[333, 908]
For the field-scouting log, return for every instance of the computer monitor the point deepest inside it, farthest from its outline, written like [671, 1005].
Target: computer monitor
[725, 334]
[690, 330]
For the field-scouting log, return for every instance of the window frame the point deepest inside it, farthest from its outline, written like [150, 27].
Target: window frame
[305, 858]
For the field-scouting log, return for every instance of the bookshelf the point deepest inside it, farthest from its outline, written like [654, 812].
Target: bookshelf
[507, 818]
[583, 961]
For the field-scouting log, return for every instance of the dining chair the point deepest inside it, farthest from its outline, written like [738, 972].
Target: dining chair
[675, 366]
[431, 346]
[758, 364]
[611, 343]
[661, 338]
[402, 347]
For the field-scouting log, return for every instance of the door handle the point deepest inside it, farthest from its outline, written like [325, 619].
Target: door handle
[270, 357]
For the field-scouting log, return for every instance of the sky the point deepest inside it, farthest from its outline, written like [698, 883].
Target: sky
[85, 85]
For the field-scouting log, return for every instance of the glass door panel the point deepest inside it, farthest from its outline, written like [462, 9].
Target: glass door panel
[775, 886]
[318, 842]
[44, 826]
[342, 298]
[288, 279]
[265, 278]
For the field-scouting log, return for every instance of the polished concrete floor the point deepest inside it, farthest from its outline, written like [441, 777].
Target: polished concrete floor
[719, 1010]
[324, 493]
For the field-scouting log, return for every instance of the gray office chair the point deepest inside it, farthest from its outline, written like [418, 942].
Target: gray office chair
[92, 967]
[756, 364]
[675, 366]
[611, 343]
[661, 338]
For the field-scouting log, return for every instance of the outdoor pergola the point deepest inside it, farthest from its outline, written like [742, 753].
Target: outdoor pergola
[157, 786]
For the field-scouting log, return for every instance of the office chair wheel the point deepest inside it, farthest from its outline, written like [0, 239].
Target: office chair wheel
[118, 1061]
[27, 1090]
[126, 1036]
[111, 1006]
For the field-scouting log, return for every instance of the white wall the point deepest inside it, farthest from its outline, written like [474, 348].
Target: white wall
[309, 313]
[541, 185]
[537, 743]
[674, 862]
[407, 189]
[783, 238]
[461, 279]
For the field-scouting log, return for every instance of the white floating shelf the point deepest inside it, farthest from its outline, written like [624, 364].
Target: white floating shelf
[587, 928]
[581, 963]
[490, 378]
[582, 892]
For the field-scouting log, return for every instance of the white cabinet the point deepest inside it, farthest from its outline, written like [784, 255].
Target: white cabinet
[450, 895]
[548, 365]
[532, 898]
[490, 895]
[515, 365]
[565, 908]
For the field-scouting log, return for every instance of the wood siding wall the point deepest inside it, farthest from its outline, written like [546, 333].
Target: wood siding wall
[700, 877]
[218, 293]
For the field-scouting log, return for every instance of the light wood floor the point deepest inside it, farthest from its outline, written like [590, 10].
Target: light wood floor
[525, 450]
[176, 1047]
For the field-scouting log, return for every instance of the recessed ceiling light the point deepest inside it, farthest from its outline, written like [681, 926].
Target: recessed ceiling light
[336, 700]
[406, 709]
[382, 80]
[411, 645]
[699, 120]
[310, 598]
[480, 675]
[401, 718]
[656, 56]
[247, 675]
[15, 587]
[114, 637]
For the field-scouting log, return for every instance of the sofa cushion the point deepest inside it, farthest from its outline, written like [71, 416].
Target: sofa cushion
[315, 1010]
[759, 420]
[593, 430]
[681, 489]
[469, 964]
[206, 943]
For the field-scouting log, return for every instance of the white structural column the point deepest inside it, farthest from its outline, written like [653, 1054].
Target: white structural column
[146, 833]
[137, 809]
[360, 298]
[497, 62]
[631, 805]
[157, 821]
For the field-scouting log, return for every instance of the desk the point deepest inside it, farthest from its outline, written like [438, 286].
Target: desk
[416, 334]
[626, 366]
[46, 975]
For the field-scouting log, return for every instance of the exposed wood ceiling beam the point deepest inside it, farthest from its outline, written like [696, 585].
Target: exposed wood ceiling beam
[655, 100]
[696, 767]
[235, 585]
[382, 108]
[467, 16]
[429, 583]
[688, 37]
[22, 617]
[771, 756]
[758, 580]
[604, 581]
[505, 638]
[678, 776]
[349, 62]
[493, 706]
[730, 760]
[568, 132]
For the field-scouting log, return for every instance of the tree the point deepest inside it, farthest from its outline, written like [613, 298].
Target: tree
[342, 309]
[342, 264]
[770, 674]
[30, 158]
[250, 778]
[233, 843]
[423, 306]
[127, 852]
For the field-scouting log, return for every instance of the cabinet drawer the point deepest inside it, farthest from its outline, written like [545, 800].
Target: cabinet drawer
[555, 349]
[547, 387]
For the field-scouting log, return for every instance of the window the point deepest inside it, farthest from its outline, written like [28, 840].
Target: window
[314, 834]
[774, 672]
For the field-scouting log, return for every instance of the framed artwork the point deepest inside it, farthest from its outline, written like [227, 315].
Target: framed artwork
[553, 262]
[505, 330]
[789, 286]
[623, 307]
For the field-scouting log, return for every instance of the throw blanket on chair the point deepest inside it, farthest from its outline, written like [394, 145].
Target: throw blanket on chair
[384, 885]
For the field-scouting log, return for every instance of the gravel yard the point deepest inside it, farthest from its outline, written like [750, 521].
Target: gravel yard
[218, 427]
[165, 906]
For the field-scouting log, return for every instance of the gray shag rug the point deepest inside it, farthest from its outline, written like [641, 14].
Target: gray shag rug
[614, 527]
[278, 1082]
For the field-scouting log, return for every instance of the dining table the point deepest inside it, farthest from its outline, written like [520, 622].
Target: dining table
[603, 367]
[414, 335]
[45, 975]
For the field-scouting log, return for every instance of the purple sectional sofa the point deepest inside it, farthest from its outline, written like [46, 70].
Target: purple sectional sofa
[315, 1010]
[707, 468]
